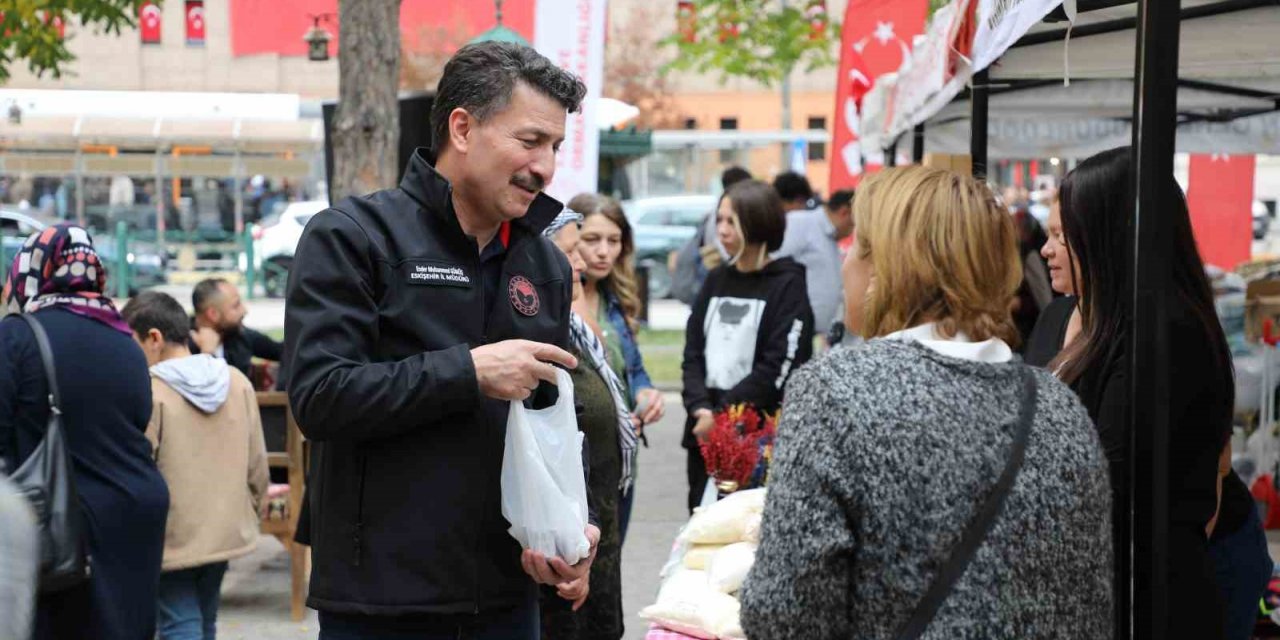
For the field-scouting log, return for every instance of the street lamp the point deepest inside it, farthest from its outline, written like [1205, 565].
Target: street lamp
[318, 38]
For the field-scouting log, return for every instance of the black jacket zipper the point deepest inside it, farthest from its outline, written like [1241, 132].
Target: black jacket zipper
[364, 461]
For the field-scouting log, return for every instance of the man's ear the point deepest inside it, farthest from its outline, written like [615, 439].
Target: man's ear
[154, 336]
[461, 124]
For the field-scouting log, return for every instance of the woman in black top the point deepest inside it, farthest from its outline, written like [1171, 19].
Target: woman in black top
[1087, 258]
[751, 324]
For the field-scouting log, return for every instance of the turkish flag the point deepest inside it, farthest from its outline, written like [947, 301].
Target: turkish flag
[1220, 196]
[195, 21]
[149, 22]
[874, 40]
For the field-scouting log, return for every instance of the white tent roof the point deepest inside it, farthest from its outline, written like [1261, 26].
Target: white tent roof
[1229, 64]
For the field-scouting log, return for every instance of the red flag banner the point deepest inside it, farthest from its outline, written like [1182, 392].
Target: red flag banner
[875, 39]
[1220, 196]
[687, 19]
[195, 22]
[816, 13]
[149, 22]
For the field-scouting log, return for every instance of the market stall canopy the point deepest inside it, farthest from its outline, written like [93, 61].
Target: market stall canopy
[48, 120]
[612, 114]
[1067, 88]
[1094, 115]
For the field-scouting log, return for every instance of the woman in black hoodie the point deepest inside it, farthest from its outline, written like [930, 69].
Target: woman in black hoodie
[751, 324]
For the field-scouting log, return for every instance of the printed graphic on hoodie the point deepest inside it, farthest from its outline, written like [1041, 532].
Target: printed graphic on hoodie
[731, 327]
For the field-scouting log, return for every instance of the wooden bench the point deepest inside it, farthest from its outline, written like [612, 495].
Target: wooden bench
[274, 407]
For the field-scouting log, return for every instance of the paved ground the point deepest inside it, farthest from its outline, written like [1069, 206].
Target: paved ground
[268, 313]
[255, 593]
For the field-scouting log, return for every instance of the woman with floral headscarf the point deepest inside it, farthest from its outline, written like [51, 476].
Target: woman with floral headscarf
[106, 403]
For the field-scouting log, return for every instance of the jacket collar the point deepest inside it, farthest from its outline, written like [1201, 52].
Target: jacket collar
[431, 190]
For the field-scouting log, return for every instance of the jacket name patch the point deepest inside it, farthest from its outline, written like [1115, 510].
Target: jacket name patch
[439, 275]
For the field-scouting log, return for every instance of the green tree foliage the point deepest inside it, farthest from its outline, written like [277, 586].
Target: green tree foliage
[29, 30]
[756, 39]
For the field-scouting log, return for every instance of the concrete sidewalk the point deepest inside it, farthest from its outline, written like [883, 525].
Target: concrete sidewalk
[255, 593]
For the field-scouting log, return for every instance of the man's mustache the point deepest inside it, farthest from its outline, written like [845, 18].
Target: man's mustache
[528, 183]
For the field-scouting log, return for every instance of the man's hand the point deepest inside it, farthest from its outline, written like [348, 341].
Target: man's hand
[556, 571]
[650, 405]
[511, 369]
[207, 339]
[705, 421]
[576, 591]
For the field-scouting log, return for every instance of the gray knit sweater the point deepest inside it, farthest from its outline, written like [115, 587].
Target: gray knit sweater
[884, 454]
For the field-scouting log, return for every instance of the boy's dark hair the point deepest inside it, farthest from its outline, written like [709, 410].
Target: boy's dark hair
[760, 212]
[841, 198]
[155, 310]
[205, 292]
[792, 186]
[733, 175]
[481, 76]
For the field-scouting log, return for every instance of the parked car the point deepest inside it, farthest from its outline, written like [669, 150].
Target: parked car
[276, 238]
[662, 225]
[147, 263]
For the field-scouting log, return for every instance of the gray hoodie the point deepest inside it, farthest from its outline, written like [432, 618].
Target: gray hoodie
[202, 379]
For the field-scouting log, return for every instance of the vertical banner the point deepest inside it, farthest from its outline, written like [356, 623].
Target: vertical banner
[149, 22]
[1220, 196]
[195, 22]
[875, 38]
[571, 34]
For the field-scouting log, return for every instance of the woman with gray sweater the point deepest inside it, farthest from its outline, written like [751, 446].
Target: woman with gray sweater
[889, 452]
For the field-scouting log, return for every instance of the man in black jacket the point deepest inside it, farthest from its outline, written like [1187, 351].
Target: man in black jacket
[415, 315]
[219, 327]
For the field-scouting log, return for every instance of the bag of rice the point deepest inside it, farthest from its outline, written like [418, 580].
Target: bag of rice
[725, 522]
[729, 567]
[699, 556]
[686, 604]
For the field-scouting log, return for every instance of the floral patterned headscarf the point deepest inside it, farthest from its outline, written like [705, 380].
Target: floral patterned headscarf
[58, 267]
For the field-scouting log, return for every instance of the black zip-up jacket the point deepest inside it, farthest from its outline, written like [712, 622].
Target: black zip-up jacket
[385, 302]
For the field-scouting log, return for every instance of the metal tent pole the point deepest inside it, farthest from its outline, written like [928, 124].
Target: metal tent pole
[978, 130]
[1154, 131]
[917, 144]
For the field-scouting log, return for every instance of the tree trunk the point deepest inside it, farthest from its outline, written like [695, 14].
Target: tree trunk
[366, 123]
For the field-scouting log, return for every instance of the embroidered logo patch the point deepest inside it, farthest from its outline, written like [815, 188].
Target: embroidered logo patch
[524, 297]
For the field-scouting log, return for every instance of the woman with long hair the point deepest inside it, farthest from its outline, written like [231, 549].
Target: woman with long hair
[1218, 560]
[610, 305]
[890, 452]
[750, 326]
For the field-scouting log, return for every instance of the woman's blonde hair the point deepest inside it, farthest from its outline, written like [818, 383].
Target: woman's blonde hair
[622, 280]
[941, 249]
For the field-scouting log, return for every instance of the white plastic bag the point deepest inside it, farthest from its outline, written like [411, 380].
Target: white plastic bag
[544, 493]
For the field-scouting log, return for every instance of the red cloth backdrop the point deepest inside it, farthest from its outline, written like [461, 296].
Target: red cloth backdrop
[1220, 196]
[875, 36]
[277, 26]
